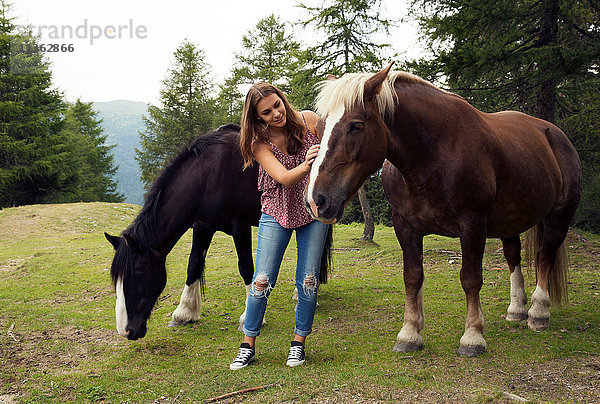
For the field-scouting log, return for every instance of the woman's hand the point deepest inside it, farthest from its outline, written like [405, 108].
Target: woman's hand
[265, 157]
[311, 155]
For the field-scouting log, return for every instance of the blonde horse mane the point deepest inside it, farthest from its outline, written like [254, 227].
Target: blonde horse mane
[348, 91]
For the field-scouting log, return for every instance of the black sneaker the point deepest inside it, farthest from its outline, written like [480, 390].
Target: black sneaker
[296, 356]
[243, 358]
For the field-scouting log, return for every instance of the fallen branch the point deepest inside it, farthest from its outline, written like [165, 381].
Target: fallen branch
[585, 352]
[235, 393]
[10, 333]
[514, 397]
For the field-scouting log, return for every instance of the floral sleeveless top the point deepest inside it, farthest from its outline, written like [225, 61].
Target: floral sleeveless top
[286, 205]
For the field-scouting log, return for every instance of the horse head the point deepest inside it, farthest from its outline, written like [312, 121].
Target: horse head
[139, 276]
[354, 142]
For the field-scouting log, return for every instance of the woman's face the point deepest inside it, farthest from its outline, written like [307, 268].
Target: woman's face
[272, 111]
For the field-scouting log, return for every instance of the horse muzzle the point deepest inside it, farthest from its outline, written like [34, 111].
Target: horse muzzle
[324, 209]
[134, 333]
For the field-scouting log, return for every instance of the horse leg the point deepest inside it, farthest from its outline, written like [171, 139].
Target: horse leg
[551, 271]
[242, 238]
[189, 304]
[409, 338]
[472, 240]
[518, 298]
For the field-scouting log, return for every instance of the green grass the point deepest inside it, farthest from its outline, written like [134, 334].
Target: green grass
[58, 340]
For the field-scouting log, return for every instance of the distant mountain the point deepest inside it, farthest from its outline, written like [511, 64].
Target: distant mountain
[122, 122]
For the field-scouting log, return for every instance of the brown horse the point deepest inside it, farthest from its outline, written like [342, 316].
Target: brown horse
[455, 171]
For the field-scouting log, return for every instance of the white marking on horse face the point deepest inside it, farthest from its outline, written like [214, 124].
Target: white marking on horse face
[331, 120]
[121, 309]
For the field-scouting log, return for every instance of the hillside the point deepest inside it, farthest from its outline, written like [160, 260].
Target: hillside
[122, 122]
[58, 341]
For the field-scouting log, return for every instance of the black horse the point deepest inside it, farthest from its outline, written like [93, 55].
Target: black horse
[203, 186]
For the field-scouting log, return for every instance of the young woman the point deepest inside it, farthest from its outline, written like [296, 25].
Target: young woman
[284, 143]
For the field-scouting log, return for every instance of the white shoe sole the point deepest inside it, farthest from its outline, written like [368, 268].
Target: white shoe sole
[240, 366]
[294, 363]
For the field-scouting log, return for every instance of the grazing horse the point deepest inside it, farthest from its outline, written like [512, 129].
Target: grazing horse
[454, 171]
[204, 186]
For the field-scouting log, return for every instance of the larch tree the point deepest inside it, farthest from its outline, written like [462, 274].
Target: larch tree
[269, 53]
[187, 110]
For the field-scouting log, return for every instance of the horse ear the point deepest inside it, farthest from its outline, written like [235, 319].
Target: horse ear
[114, 240]
[373, 85]
[132, 243]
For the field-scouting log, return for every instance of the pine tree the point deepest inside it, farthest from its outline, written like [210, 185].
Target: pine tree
[91, 157]
[33, 150]
[303, 85]
[229, 103]
[347, 26]
[187, 111]
[269, 53]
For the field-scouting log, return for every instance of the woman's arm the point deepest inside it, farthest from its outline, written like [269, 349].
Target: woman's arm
[265, 157]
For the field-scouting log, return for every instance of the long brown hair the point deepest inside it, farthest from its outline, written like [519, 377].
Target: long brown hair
[253, 130]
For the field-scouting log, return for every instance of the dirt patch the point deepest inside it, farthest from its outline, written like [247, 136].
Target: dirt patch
[573, 378]
[13, 265]
[59, 351]
[23, 222]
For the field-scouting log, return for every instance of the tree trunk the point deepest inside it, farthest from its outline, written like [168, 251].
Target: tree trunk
[549, 60]
[369, 230]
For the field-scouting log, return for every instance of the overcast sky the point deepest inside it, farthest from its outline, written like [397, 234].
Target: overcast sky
[122, 48]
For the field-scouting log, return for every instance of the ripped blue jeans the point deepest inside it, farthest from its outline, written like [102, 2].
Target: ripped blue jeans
[272, 242]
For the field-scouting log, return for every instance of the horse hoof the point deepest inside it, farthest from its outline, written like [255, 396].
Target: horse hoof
[177, 323]
[516, 316]
[538, 324]
[407, 347]
[470, 351]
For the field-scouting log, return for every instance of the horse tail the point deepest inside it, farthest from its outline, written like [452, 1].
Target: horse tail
[326, 256]
[202, 280]
[558, 276]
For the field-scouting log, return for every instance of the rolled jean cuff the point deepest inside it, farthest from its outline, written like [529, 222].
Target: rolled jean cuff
[251, 333]
[302, 333]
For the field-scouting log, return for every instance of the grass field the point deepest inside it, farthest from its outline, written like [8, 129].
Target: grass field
[58, 341]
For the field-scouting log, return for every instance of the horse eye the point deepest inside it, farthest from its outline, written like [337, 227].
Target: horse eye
[356, 127]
